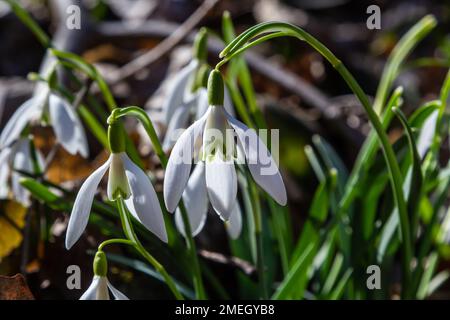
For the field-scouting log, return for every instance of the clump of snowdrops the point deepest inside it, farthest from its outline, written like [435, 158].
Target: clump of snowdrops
[390, 209]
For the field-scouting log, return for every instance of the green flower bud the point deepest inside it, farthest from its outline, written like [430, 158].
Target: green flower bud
[100, 264]
[201, 45]
[215, 88]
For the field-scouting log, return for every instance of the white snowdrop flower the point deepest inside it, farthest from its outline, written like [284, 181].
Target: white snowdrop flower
[100, 286]
[99, 290]
[218, 129]
[14, 158]
[195, 108]
[66, 123]
[132, 184]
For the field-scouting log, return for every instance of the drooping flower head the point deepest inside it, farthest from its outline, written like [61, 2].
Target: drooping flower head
[217, 129]
[100, 286]
[45, 103]
[14, 160]
[125, 180]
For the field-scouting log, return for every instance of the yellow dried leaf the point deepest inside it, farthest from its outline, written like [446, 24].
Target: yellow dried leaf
[12, 220]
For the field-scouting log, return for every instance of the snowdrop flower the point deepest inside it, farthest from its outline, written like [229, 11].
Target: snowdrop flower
[126, 180]
[17, 157]
[100, 286]
[218, 129]
[180, 91]
[66, 123]
[195, 200]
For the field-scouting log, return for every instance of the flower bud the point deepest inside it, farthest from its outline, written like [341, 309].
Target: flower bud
[215, 88]
[100, 264]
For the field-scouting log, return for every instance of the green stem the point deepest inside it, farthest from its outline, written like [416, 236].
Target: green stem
[114, 241]
[130, 234]
[148, 126]
[391, 161]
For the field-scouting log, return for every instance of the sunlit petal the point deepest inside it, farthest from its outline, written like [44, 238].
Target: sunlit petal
[176, 91]
[116, 293]
[144, 203]
[221, 183]
[67, 126]
[18, 121]
[260, 162]
[179, 165]
[91, 292]
[195, 200]
[179, 120]
[83, 204]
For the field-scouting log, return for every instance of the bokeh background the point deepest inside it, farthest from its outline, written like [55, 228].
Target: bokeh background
[297, 90]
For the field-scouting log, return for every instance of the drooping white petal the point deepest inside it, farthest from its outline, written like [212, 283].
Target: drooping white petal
[195, 200]
[98, 290]
[28, 110]
[234, 225]
[201, 102]
[5, 155]
[427, 133]
[221, 183]
[176, 92]
[227, 102]
[144, 203]
[180, 162]
[21, 162]
[262, 166]
[83, 204]
[116, 293]
[178, 121]
[67, 126]
[91, 292]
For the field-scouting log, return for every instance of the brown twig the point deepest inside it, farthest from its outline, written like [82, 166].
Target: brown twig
[246, 267]
[165, 46]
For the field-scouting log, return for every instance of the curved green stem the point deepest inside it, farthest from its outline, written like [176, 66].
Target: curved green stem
[148, 126]
[394, 171]
[114, 241]
[130, 234]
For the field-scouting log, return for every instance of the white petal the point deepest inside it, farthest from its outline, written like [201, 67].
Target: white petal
[201, 102]
[98, 290]
[179, 165]
[83, 204]
[427, 134]
[234, 225]
[260, 162]
[4, 171]
[221, 183]
[176, 92]
[195, 200]
[144, 203]
[18, 121]
[179, 121]
[67, 126]
[22, 162]
[91, 292]
[227, 102]
[116, 293]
